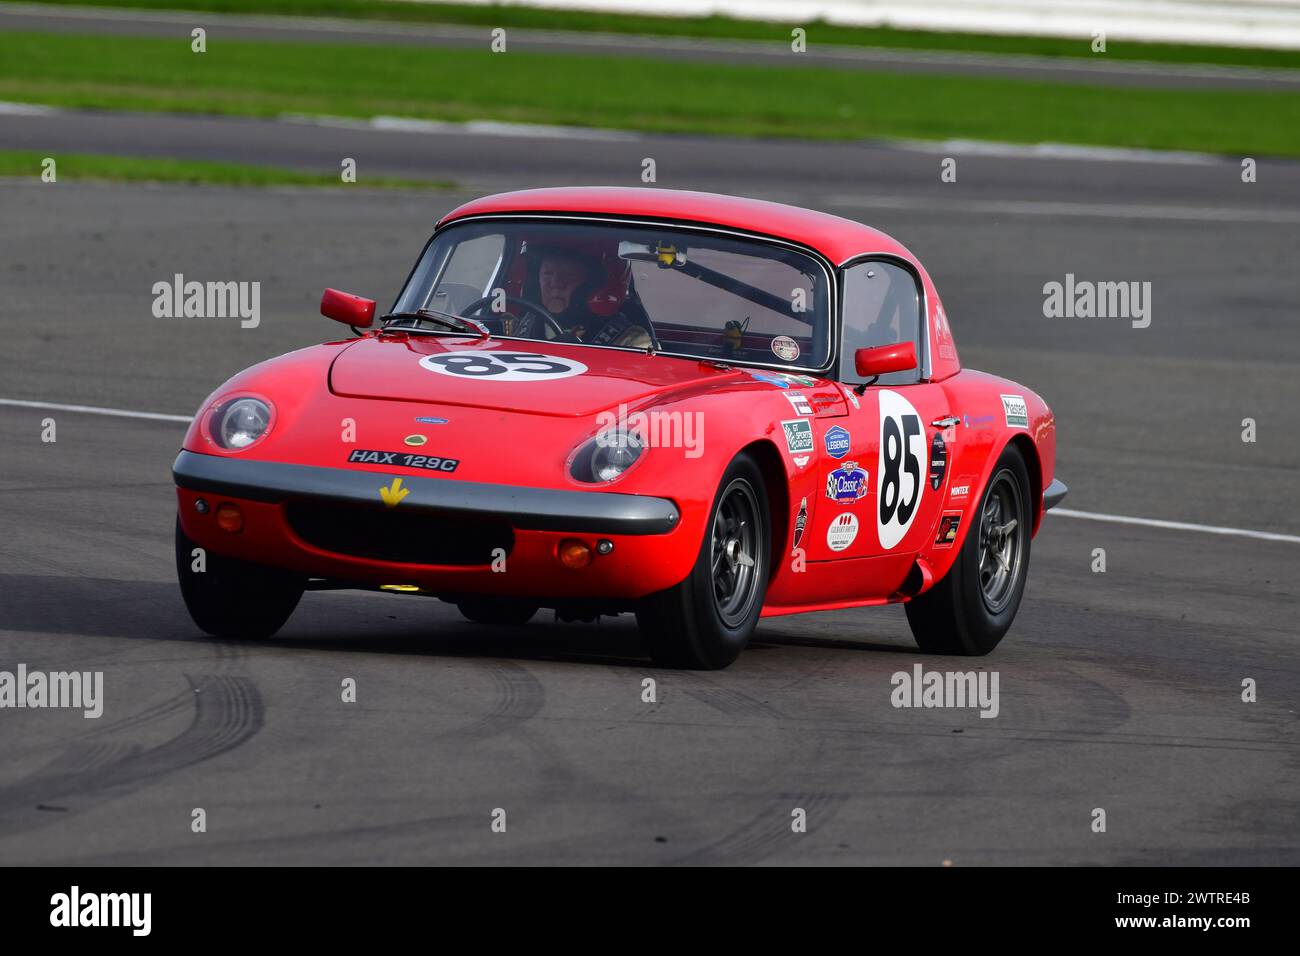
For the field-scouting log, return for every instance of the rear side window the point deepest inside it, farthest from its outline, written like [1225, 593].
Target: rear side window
[882, 306]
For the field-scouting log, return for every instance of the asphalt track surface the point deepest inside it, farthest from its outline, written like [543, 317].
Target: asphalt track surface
[1093, 69]
[1119, 690]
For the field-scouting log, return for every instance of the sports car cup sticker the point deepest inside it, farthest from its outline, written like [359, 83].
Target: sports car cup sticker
[837, 441]
[948, 526]
[899, 485]
[798, 435]
[843, 529]
[847, 484]
[1017, 413]
[938, 461]
[799, 403]
[785, 348]
[800, 522]
[503, 366]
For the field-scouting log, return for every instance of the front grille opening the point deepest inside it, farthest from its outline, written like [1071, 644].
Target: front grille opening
[407, 537]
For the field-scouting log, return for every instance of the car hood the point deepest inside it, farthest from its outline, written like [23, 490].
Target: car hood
[542, 378]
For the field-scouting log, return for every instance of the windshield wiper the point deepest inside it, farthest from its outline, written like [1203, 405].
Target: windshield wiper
[458, 323]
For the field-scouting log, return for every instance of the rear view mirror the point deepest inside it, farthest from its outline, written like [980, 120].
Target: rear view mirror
[898, 357]
[346, 308]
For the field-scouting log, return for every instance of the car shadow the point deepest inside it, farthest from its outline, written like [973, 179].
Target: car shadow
[351, 621]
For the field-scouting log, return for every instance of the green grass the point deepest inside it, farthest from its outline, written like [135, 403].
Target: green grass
[266, 79]
[138, 169]
[720, 28]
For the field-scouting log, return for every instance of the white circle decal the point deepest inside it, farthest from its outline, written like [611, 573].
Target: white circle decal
[503, 366]
[898, 477]
[842, 532]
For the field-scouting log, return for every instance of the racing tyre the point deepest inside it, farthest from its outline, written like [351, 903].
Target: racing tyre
[235, 599]
[969, 611]
[498, 612]
[705, 621]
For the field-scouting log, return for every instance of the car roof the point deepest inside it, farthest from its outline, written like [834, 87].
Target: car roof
[836, 238]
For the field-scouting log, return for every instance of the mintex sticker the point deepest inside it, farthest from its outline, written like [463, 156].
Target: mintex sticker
[799, 402]
[1017, 413]
[798, 435]
[948, 525]
[785, 348]
[842, 531]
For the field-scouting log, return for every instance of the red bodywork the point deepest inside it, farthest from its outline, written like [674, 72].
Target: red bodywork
[368, 392]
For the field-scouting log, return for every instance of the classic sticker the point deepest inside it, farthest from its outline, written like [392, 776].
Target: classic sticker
[798, 435]
[938, 461]
[402, 459]
[799, 402]
[837, 441]
[1017, 413]
[847, 483]
[843, 529]
[785, 348]
[503, 366]
[948, 526]
[800, 522]
[899, 485]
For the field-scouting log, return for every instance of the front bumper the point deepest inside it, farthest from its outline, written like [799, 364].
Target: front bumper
[440, 536]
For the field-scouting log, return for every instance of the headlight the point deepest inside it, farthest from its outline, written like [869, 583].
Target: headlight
[607, 456]
[239, 423]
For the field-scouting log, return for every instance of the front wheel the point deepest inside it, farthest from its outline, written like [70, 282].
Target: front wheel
[969, 611]
[234, 599]
[705, 621]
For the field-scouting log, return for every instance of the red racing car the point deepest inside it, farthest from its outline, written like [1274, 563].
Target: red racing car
[697, 408]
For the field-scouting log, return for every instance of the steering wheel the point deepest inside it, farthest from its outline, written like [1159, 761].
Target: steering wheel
[532, 307]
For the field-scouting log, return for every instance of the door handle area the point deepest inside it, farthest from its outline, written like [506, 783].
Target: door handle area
[945, 422]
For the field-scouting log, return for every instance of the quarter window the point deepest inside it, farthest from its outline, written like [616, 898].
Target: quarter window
[882, 306]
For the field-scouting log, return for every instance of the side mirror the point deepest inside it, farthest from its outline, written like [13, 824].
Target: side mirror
[348, 309]
[899, 357]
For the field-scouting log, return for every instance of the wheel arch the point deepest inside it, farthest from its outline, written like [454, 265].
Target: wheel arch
[1034, 465]
[777, 486]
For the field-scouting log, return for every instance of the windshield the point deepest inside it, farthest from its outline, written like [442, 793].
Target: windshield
[672, 290]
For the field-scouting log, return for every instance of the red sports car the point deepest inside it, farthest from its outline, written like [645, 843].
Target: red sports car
[697, 408]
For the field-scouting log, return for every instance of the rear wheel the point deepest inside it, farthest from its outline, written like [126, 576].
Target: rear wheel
[705, 621]
[499, 612]
[235, 599]
[970, 610]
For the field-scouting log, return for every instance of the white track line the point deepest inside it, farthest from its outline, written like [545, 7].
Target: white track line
[1176, 525]
[96, 410]
[1060, 512]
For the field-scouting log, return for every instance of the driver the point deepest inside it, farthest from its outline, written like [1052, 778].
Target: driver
[565, 281]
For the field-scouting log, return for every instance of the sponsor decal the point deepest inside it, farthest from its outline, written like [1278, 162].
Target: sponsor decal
[948, 526]
[977, 421]
[938, 461]
[771, 378]
[850, 394]
[785, 348]
[899, 485]
[798, 435]
[1016, 411]
[824, 399]
[800, 460]
[807, 381]
[837, 441]
[843, 529]
[416, 440]
[426, 420]
[503, 366]
[961, 487]
[847, 483]
[799, 403]
[800, 523]
[401, 459]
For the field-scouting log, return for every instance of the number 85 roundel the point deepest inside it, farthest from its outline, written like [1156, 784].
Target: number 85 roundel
[899, 483]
